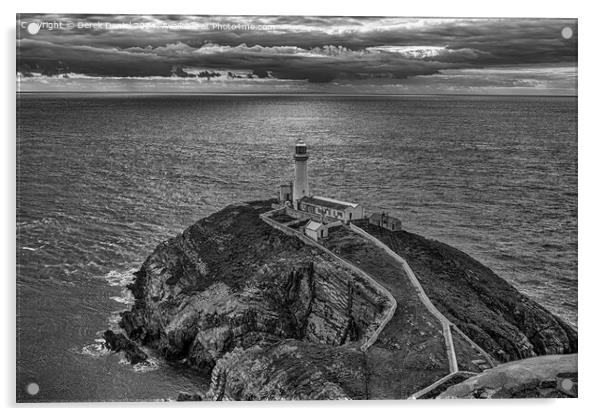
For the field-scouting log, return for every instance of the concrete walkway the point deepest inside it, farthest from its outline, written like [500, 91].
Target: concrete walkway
[446, 325]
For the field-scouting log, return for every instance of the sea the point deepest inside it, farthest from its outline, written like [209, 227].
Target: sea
[103, 178]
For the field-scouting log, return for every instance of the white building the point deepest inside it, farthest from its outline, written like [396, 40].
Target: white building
[331, 209]
[316, 230]
[317, 207]
[301, 184]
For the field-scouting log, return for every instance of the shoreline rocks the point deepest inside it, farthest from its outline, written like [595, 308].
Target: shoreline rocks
[120, 343]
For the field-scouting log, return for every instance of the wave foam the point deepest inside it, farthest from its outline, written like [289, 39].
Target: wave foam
[120, 278]
[114, 320]
[96, 349]
[151, 364]
[126, 297]
[26, 225]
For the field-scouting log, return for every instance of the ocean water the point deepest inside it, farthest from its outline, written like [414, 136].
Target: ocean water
[101, 180]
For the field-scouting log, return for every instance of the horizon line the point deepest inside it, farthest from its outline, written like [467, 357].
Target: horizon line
[293, 94]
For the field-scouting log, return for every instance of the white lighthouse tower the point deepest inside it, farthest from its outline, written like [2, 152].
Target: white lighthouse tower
[301, 184]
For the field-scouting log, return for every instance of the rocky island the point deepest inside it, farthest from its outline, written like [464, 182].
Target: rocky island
[271, 317]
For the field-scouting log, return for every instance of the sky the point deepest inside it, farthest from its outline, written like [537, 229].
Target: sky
[295, 54]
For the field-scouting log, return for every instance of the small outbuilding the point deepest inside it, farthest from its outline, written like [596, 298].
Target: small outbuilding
[316, 230]
[285, 192]
[384, 220]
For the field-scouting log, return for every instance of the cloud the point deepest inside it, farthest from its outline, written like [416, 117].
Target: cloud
[313, 49]
[524, 80]
[322, 64]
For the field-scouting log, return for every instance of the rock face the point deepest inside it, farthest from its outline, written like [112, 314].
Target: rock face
[541, 377]
[272, 318]
[231, 288]
[495, 315]
[119, 342]
[290, 370]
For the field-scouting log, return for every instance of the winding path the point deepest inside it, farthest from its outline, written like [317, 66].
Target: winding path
[446, 325]
[387, 316]
[449, 342]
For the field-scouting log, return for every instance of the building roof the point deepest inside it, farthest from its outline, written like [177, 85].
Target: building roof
[328, 202]
[313, 225]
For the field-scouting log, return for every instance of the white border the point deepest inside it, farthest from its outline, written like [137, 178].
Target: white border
[589, 190]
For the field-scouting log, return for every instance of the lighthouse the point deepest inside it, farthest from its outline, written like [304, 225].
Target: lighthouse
[317, 208]
[301, 184]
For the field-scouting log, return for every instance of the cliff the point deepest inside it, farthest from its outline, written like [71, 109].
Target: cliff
[231, 288]
[272, 318]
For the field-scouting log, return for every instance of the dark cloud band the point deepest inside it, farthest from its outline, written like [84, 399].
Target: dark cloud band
[317, 49]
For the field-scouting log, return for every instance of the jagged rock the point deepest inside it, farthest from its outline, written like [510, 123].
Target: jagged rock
[119, 342]
[290, 370]
[540, 377]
